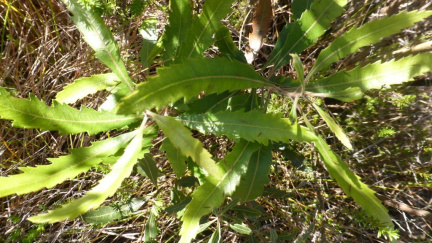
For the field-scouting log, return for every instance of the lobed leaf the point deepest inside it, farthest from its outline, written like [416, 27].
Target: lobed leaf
[33, 113]
[65, 167]
[211, 194]
[190, 79]
[251, 126]
[181, 138]
[374, 76]
[297, 36]
[82, 87]
[106, 187]
[252, 184]
[369, 33]
[99, 37]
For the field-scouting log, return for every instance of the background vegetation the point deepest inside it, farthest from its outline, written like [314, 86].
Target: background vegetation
[42, 52]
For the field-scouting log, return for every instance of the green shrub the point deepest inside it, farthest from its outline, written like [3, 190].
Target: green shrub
[230, 106]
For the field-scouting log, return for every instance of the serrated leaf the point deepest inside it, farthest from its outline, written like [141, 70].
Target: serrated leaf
[148, 165]
[202, 29]
[350, 182]
[106, 187]
[82, 87]
[334, 127]
[369, 33]
[252, 184]
[226, 45]
[375, 76]
[65, 167]
[296, 37]
[188, 80]
[241, 228]
[211, 193]
[251, 126]
[99, 37]
[107, 214]
[34, 113]
[180, 18]
[182, 139]
[175, 157]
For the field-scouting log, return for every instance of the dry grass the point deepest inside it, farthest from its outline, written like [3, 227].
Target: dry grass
[42, 52]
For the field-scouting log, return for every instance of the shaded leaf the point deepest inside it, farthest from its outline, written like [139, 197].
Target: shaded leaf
[107, 214]
[150, 47]
[175, 157]
[203, 27]
[82, 87]
[189, 80]
[244, 211]
[34, 113]
[148, 165]
[252, 184]
[226, 45]
[151, 229]
[299, 6]
[179, 206]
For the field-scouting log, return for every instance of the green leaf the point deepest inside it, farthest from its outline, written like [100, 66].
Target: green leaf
[178, 207]
[226, 45]
[107, 214]
[252, 184]
[334, 127]
[106, 187]
[211, 193]
[346, 95]
[33, 113]
[150, 46]
[151, 229]
[82, 87]
[189, 80]
[245, 211]
[251, 126]
[65, 167]
[182, 139]
[298, 66]
[375, 76]
[175, 157]
[180, 18]
[296, 37]
[99, 37]
[369, 33]
[202, 29]
[216, 237]
[241, 228]
[299, 6]
[350, 182]
[148, 165]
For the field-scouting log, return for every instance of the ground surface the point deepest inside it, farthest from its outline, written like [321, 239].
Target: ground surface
[391, 131]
